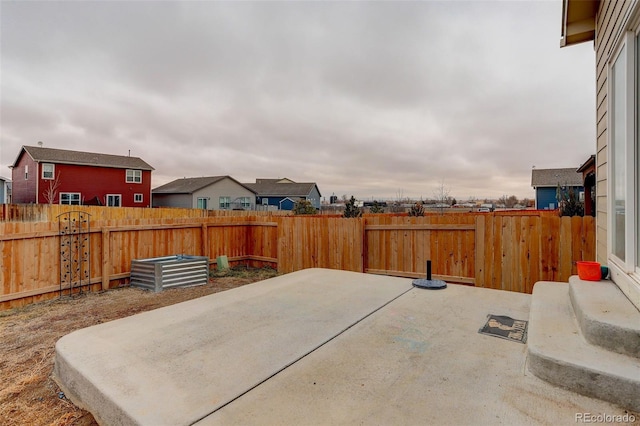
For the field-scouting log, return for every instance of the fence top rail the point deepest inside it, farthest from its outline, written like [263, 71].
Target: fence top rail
[151, 227]
[98, 228]
[420, 227]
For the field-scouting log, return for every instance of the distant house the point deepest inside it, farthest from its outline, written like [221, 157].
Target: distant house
[209, 193]
[57, 176]
[546, 182]
[282, 194]
[5, 190]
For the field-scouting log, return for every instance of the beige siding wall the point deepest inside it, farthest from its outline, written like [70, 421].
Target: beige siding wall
[223, 188]
[610, 22]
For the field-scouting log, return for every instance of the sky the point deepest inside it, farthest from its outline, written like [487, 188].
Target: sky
[380, 100]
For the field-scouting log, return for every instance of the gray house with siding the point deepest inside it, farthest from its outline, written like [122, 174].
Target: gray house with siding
[282, 194]
[5, 190]
[209, 193]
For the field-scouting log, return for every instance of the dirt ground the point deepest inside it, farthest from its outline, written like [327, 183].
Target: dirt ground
[28, 394]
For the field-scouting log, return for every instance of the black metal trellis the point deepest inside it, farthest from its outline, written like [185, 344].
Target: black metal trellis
[75, 251]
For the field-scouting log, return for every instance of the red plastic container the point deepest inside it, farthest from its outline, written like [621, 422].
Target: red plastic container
[589, 271]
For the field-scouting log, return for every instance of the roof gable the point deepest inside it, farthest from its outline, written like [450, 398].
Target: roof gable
[191, 185]
[63, 156]
[590, 163]
[272, 188]
[555, 177]
[279, 180]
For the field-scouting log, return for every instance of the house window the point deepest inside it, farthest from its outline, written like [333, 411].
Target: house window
[618, 149]
[134, 176]
[26, 172]
[203, 203]
[635, 165]
[48, 170]
[245, 202]
[225, 203]
[137, 198]
[624, 156]
[71, 198]
[114, 200]
[265, 201]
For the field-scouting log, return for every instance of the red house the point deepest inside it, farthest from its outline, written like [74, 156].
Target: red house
[58, 176]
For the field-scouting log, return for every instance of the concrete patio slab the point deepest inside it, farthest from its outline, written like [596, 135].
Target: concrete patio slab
[418, 361]
[175, 365]
[316, 347]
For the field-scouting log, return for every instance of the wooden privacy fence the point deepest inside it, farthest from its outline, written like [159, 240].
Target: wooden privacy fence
[31, 250]
[486, 250]
[50, 212]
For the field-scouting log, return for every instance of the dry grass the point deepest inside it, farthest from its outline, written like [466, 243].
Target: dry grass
[28, 394]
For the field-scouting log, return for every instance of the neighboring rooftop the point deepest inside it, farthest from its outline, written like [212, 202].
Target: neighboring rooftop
[191, 185]
[587, 164]
[269, 180]
[63, 156]
[555, 177]
[281, 187]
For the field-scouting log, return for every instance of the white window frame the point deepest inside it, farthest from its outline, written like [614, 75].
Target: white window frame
[70, 197]
[633, 164]
[202, 203]
[26, 172]
[45, 172]
[224, 203]
[245, 202]
[626, 133]
[119, 197]
[138, 198]
[133, 176]
[626, 272]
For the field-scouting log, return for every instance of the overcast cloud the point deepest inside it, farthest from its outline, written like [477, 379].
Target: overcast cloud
[366, 98]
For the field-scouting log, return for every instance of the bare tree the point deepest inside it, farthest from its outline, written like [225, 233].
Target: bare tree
[51, 191]
[399, 201]
[509, 202]
[442, 197]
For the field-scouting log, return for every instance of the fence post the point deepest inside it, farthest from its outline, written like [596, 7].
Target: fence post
[363, 227]
[205, 240]
[479, 252]
[106, 258]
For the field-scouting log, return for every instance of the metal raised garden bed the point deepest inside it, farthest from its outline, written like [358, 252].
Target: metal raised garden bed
[159, 273]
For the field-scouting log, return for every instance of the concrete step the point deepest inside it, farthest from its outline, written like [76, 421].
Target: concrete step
[559, 354]
[605, 315]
